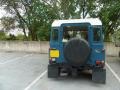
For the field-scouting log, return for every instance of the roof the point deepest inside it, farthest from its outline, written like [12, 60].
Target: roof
[92, 21]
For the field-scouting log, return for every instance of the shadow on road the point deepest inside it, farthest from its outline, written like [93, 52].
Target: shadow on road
[83, 76]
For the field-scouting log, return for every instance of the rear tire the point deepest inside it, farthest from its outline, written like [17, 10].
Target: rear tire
[53, 71]
[99, 75]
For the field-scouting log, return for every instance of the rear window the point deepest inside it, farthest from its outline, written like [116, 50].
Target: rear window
[55, 34]
[75, 31]
[97, 34]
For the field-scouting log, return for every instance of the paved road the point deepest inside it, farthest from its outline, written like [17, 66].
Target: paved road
[27, 71]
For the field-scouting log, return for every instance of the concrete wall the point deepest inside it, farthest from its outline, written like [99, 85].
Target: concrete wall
[25, 46]
[43, 47]
[111, 50]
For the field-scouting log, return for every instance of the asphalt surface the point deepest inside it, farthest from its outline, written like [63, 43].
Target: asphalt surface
[28, 71]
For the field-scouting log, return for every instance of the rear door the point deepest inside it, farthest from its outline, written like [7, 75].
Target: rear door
[54, 40]
[61, 44]
[98, 52]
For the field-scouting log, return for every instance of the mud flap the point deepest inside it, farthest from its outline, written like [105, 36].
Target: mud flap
[53, 71]
[99, 75]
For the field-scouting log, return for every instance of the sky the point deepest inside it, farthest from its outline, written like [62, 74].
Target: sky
[2, 12]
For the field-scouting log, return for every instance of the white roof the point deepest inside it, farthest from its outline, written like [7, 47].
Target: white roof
[92, 21]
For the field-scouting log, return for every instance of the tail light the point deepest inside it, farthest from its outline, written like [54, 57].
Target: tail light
[100, 63]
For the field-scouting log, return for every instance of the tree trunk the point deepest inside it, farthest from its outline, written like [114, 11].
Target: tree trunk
[26, 38]
[32, 35]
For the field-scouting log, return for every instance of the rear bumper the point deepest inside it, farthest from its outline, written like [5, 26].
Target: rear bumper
[66, 65]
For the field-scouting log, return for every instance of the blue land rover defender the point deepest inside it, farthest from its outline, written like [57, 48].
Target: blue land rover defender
[77, 45]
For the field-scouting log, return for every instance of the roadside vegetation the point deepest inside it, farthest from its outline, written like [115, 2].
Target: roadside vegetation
[116, 38]
[36, 16]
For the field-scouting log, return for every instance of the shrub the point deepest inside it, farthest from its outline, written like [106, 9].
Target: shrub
[20, 37]
[2, 36]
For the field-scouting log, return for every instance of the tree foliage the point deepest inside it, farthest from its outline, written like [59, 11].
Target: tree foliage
[109, 13]
[37, 15]
[2, 36]
[116, 36]
[33, 15]
[7, 23]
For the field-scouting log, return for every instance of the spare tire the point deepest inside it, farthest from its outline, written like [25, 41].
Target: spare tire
[76, 51]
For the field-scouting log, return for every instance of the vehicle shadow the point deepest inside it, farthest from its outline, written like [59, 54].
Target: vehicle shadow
[83, 81]
[82, 76]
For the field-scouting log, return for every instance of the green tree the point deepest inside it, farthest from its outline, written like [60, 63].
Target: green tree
[116, 36]
[2, 35]
[7, 23]
[32, 15]
[37, 15]
[109, 12]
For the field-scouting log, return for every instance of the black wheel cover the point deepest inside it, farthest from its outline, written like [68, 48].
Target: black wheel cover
[76, 51]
